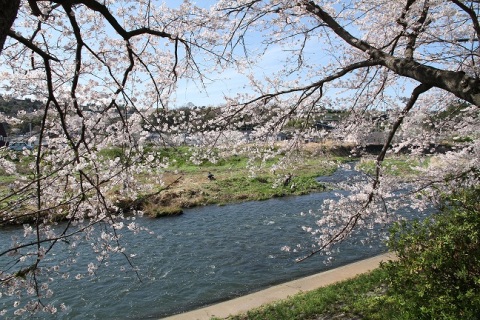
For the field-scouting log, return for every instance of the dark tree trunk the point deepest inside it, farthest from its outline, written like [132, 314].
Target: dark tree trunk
[8, 13]
[456, 82]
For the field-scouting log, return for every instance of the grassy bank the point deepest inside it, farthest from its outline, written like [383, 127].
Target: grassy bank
[186, 184]
[402, 166]
[237, 178]
[359, 298]
[189, 186]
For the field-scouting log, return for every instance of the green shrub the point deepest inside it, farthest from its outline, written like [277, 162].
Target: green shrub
[437, 275]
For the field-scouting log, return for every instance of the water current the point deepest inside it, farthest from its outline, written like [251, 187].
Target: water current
[206, 255]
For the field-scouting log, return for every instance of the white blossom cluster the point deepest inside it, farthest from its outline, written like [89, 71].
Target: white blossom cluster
[400, 75]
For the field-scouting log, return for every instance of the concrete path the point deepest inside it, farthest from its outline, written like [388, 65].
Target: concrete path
[283, 291]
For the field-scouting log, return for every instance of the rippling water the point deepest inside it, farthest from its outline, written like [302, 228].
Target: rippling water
[204, 256]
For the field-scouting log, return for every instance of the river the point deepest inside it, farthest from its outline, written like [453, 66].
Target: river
[206, 255]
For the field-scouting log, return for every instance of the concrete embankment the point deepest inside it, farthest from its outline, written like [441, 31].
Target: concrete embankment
[283, 291]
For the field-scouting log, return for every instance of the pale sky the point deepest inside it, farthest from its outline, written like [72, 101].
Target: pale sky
[229, 82]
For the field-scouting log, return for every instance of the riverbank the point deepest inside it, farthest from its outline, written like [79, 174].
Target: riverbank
[283, 291]
[234, 179]
[192, 189]
[185, 183]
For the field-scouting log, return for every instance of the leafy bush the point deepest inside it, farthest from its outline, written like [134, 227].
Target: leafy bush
[437, 275]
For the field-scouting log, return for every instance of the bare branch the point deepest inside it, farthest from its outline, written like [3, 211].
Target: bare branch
[29, 44]
[103, 10]
[473, 16]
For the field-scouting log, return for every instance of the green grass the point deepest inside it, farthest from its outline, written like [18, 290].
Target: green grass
[359, 298]
[259, 188]
[398, 166]
[234, 180]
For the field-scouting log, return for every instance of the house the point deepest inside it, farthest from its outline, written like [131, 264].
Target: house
[282, 136]
[324, 125]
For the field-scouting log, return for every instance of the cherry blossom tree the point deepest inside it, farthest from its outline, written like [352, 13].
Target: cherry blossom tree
[107, 71]
[94, 64]
[411, 60]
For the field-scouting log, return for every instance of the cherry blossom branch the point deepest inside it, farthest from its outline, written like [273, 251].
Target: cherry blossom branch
[473, 16]
[456, 82]
[308, 90]
[41, 241]
[353, 220]
[422, 88]
[29, 44]
[305, 92]
[416, 27]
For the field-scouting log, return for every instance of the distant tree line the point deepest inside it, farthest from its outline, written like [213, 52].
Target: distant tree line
[22, 109]
[191, 117]
[11, 107]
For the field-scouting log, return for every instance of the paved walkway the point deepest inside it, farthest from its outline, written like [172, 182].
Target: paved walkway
[282, 291]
